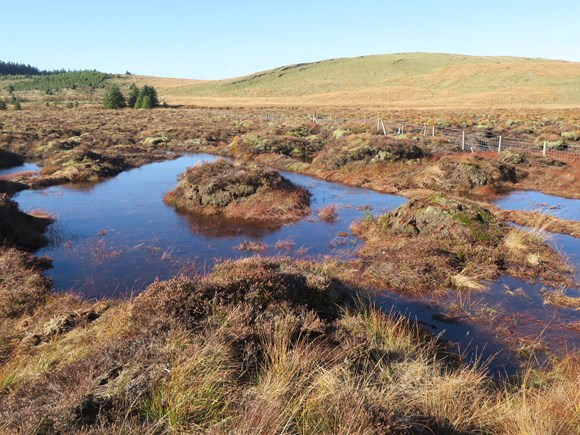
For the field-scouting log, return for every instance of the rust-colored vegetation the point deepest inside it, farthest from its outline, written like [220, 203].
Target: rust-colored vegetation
[273, 345]
[436, 242]
[241, 191]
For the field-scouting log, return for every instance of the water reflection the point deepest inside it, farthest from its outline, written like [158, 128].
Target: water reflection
[117, 236]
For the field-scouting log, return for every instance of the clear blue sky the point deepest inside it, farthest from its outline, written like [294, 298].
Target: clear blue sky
[217, 39]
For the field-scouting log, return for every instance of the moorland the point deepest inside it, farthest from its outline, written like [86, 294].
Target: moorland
[292, 344]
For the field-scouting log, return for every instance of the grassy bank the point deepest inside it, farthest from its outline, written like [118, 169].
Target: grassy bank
[257, 346]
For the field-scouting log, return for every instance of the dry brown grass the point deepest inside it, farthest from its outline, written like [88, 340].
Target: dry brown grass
[239, 191]
[258, 346]
[327, 213]
[544, 221]
[559, 298]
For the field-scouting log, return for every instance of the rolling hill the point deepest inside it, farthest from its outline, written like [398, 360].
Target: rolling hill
[409, 80]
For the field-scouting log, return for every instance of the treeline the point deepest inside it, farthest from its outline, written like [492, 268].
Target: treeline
[138, 98]
[64, 80]
[20, 69]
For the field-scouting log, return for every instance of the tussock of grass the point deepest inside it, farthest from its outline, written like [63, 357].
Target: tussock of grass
[259, 346]
[242, 191]
[462, 281]
[327, 213]
[560, 298]
[542, 222]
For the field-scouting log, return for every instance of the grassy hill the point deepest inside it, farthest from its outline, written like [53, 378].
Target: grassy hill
[396, 80]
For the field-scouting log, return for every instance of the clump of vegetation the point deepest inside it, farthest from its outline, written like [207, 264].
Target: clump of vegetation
[301, 143]
[327, 213]
[18, 228]
[239, 190]
[9, 159]
[63, 80]
[363, 149]
[79, 165]
[249, 245]
[438, 241]
[467, 173]
[114, 98]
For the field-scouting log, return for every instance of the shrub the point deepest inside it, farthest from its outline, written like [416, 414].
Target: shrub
[133, 95]
[114, 99]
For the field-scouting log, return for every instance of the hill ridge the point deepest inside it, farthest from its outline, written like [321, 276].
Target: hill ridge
[398, 79]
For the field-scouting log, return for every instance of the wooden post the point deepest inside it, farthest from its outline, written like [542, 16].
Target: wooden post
[384, 129]
[499, 145]
[433, 131]
[424, 129]
[545, 148]
[402, 128]
[315, 119]
[463, 140]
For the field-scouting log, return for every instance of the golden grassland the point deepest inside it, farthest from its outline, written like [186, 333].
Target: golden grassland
[406, 80]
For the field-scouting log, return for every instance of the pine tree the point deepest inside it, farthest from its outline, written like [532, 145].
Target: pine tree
[114, 98]
[146, 102]
[138, 102]
[151, 92]
[133, 95]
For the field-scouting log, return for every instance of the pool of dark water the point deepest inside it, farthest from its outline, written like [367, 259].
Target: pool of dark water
[564, 208]
[117, 236]
[517, 306]
[28, 166]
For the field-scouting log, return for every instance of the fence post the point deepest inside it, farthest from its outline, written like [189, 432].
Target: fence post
[544, 149]
[314, 119]
[424, 129]
[499, 145]
[463, 140]
[384, 129]
[433, 131]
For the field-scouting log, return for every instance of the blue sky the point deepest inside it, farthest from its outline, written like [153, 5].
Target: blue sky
[219, 39]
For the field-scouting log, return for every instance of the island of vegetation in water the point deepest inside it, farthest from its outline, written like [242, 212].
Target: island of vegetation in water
[241, 191]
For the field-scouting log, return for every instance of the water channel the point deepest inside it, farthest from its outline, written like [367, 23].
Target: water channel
[115, 237]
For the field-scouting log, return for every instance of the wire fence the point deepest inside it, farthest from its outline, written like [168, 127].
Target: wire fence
[466, 141]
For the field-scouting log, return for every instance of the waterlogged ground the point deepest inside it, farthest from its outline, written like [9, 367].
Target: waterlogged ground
[116, 237]
[563, 208]
[28, 166]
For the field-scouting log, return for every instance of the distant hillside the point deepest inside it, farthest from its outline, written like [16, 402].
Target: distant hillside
[65, 80]
[397, 80]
